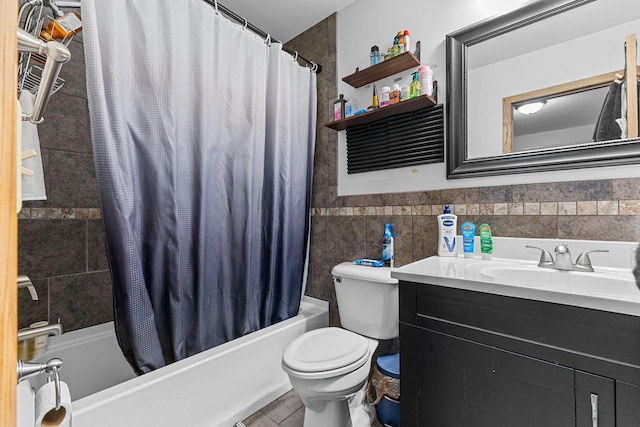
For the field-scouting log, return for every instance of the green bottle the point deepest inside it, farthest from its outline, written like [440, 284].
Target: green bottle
[415, 89]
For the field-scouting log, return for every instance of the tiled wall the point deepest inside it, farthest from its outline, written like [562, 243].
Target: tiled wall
[61, 240]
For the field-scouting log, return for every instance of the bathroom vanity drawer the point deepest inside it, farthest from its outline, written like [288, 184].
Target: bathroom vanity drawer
[594, 341]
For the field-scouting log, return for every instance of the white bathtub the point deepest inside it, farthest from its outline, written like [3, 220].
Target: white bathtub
[214, 388]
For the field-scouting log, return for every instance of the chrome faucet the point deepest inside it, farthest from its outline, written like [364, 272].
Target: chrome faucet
[25, 282]
[563, 259]
[27, 333]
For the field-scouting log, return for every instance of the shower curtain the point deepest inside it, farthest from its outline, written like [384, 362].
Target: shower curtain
[203, 137]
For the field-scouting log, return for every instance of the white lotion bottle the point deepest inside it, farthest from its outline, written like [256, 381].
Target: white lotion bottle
[447, 228]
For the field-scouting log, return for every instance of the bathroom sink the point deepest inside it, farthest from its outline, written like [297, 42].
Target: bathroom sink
[606, 284]
[513, 272]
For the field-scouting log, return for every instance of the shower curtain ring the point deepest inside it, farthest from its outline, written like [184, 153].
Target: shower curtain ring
[295, 58]
[267, 40]
[215, 3]
[246, 23]
[314, 66]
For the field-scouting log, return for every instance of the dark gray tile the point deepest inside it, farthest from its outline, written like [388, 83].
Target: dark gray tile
[326, 197]
[425, 237]
[626, 189]
[563, 191]
[346, 237]
[454, 196]
[615, 228]
[49, 248]
[96, 249]
[30, 311]
[66, 125]
[499, 194]
[366, 200]
[544, 227]
[81, 300]
[72, 180]
[415, 198]
[73, 72]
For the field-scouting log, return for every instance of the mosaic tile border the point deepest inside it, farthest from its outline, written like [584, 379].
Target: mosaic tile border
[589, 207]
[60, 213]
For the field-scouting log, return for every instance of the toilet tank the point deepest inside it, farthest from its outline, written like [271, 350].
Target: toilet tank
[367, 300]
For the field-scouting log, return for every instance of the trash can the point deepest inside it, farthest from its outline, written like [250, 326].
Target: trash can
[383, 390]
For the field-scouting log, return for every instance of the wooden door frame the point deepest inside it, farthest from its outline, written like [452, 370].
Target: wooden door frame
[8, 216]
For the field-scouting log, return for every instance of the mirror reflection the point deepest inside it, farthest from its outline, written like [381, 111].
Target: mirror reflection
[573, 114]
[543, 44]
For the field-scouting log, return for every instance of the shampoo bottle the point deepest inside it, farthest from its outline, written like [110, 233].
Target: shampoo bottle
[447, 226]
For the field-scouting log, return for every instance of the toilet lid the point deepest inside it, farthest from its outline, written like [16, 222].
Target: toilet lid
[325, 349]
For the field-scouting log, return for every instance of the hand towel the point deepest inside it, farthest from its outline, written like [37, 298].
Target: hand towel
[32, 186]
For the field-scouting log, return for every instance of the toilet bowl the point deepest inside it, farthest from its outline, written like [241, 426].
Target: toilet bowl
[329, 367]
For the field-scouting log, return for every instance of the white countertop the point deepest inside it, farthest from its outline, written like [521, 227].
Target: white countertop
[618, 293]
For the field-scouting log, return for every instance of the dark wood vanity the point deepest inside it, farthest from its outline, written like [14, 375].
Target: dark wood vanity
[472, 359]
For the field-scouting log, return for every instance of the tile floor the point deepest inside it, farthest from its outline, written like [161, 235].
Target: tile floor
[286, 411]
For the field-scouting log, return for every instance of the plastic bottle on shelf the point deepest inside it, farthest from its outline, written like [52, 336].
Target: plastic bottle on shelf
[394, 95]
[401, 42]
[350, 108]
[383, 97]
[374, 56]
[407, 41]
[404, 93]
[395, 48]
[374, 103]
[338, 108]
[426, 79]
[415, 89]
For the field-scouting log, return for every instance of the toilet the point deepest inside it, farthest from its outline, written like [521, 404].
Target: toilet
[329, 367]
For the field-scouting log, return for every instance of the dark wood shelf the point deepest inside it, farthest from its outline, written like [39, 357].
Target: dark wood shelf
[387, 68]
[407, 106]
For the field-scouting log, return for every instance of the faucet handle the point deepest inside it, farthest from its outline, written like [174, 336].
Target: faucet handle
[25, 282]
[546, 259]
[583, 262]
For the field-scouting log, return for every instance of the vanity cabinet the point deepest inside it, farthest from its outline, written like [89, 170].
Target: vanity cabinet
[476, 359]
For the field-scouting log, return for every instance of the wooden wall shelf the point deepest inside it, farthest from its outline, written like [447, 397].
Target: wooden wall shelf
[407, 106]
[387, 68]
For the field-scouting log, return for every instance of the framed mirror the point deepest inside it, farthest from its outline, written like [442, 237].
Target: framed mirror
[543, 44]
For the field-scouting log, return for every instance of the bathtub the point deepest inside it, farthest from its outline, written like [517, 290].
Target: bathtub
[214, 388]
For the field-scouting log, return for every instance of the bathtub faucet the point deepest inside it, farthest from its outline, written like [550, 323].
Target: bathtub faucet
[25, 282]
[28, 333]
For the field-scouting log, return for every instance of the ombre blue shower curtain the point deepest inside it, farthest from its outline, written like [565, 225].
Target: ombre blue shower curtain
[203, 138]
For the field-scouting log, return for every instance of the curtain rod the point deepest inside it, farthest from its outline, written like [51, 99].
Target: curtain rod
[317, 68]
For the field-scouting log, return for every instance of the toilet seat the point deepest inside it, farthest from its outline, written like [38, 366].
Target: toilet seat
[325, 353]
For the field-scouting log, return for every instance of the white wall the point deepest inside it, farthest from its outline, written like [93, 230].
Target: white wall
[375, 22]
